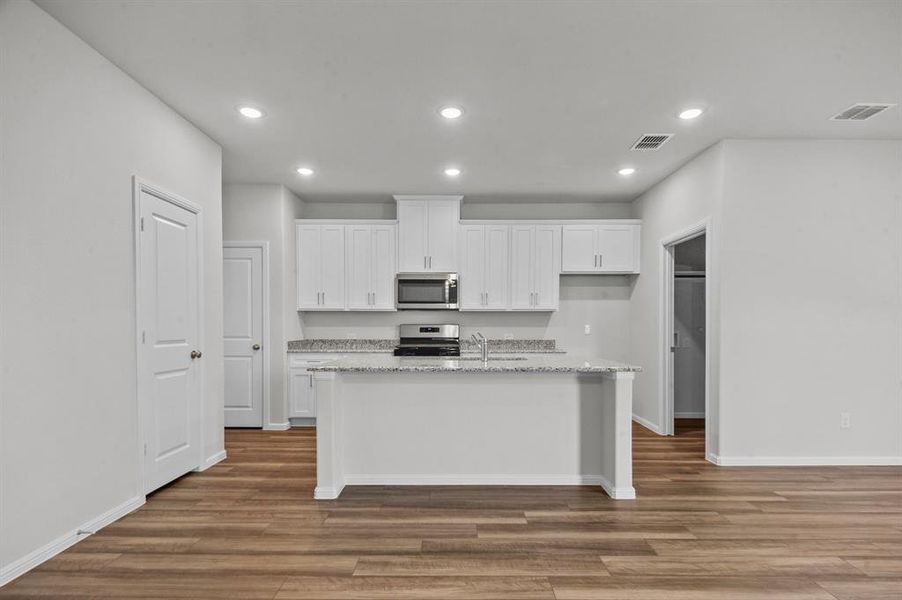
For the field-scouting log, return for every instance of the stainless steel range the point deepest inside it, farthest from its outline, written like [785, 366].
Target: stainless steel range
[429, 340]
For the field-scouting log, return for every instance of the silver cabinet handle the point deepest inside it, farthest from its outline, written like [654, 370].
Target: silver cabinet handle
[595, 264]
[486, 298]
[310, 377]
[537, 298]
[424, 263]
[430, 262]
[600, 260]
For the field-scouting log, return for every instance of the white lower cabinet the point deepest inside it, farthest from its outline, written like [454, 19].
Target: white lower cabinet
[301, 392]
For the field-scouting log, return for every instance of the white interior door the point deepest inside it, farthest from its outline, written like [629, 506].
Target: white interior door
[169, 348]
[689, 347]
[243, 308]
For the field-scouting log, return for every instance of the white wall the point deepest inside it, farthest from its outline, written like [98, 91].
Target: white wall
[811, 290]
[75, 129]
[266, 212]
[682, 200]
[510, 209]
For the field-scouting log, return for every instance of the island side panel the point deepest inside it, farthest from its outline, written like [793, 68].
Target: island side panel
[473, 428]
[329, 431]
[617, 435]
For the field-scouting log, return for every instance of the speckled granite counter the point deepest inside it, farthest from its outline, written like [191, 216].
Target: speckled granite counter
[372, 346]
[496, 364]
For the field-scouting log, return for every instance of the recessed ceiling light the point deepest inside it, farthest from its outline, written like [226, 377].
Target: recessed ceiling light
[452, 171]
[451, 112]
[626, 171]
[305, 171]
[691, 113]
[250, 112]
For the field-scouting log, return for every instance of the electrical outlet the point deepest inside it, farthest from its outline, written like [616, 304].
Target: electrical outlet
[587, 329]
[845, 421]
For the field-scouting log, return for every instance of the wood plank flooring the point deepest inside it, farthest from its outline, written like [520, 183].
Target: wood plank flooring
[249, 528]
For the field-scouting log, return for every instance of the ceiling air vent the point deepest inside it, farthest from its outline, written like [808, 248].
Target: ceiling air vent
[651, 141]
[861, 112]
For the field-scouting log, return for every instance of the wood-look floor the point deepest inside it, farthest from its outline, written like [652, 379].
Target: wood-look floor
[248, 528]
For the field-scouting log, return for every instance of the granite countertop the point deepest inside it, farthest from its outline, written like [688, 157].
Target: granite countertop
[373, 346]
[539, 363]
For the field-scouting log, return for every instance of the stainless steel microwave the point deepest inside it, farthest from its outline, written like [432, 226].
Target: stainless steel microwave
[429, 291]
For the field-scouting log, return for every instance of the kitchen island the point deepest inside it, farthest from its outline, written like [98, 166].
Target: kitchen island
[512, 420]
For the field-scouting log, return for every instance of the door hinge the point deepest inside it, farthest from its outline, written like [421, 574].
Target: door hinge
[142, 223]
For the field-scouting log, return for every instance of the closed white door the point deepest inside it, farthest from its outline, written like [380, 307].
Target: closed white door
[616, 248]
[579, 248]
[242, 284]
[412, 236]
[472, 272]
[443, 226]
[547, 260]
[169, 348]
[497, 266]
[359, 266]
[522, 267]
[309, 266]
[384, 267]
[332, 262]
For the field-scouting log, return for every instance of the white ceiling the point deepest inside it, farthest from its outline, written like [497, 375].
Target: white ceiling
[555, 92]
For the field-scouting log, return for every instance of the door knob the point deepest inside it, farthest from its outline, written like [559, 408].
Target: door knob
[196, 354]
[256, 346]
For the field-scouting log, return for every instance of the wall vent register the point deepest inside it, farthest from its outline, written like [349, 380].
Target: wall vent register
[861, 112]
[652, 141]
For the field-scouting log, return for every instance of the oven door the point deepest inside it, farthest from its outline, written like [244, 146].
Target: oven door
[429, 291]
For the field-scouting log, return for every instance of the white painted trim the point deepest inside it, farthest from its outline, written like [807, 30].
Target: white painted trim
[480, 479]
[302, 421]
[665, 320]
[141, 357]
[647, 424]
[552, 222]
[277, 426]
[48, 551]
[345, 222]
[327, 493]
[688, 415]
[804, 461]
[621, 493]
[265, 342]
[212, 460]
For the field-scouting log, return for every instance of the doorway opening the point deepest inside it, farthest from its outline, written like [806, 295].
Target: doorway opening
[685, 336]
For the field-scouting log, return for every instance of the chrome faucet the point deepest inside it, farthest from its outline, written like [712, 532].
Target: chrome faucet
[483, 345]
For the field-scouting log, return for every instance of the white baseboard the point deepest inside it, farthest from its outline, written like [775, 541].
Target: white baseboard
[327, 493]
[277, 426]
[303, 421]
[647, 424]
[689, 415]
[212, 460]
[621, 493]
[489, 479]
[805, 461]
[48, 551]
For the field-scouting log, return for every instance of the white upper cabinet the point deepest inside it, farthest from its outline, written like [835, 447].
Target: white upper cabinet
[427, 233]
[535, 267]
[485, 267]
[321, 267]
[346, 267]
[600, 247]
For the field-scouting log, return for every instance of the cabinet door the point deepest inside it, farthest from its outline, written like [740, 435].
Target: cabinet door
[443, 225]
[384, 267]
[412, 236]
[522, 268]
[301, 395]
[472, 267]
[578, 252]
[617, 248]
[547, 261]
[309, 266]
[360, 257]
[497, 267]
[332, 252]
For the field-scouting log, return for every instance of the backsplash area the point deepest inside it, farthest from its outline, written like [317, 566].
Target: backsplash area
[602, 303]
